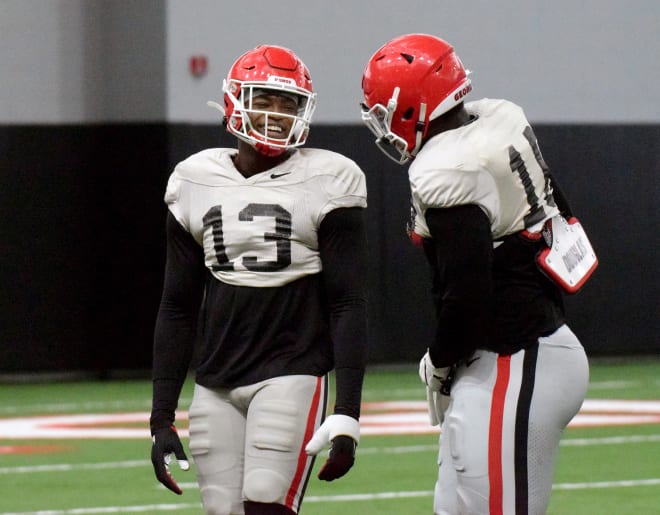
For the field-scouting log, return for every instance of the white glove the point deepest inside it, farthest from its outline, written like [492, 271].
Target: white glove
[437, 404]
[342, 433]
[434, 378]
[334, 425]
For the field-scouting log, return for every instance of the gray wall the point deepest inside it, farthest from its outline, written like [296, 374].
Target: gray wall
[82, 61]
[71, 61]
[565, 60]
[97, 105]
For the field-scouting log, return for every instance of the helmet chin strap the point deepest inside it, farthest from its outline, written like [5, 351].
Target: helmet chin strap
[260, 141]
[217, 106]
[392, 104]
[267, 150]
[420, 126]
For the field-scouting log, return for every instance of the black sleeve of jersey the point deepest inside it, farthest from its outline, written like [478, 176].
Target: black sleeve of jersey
[343, 249]
[460, 253]
[560, 198]
[174, 334]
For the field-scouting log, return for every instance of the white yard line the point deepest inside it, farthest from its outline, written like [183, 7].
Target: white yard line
[379, 418]
[69, 467]
[68, 407]
[147, 508]
[607, 484]
[77, 407]
[609, 440]
[321, 499]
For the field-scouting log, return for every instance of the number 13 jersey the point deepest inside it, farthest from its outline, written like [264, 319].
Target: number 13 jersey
[261, 231]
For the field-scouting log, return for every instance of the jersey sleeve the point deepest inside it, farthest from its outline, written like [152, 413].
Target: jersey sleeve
[175, 199]
[197, 169]
[446, 188]
[460, 254]
[174, 332]
[345, 186]
[342, 243]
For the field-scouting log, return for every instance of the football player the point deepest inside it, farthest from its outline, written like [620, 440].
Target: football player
[266, 245]
[503, 363]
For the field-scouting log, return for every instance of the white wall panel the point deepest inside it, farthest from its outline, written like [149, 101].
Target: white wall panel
[72, 61]
[564, 61]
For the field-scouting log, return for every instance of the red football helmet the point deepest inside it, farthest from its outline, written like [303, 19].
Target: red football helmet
[273, 69]
[408, 82]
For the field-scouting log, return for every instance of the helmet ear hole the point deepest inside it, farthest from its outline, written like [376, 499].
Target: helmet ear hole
[408, 113]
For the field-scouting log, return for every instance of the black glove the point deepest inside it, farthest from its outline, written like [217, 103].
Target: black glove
[165, 442]
[340, 458]
[342, 433]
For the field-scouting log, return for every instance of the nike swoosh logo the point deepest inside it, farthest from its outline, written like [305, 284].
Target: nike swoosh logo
[469, 362]
[277, 175]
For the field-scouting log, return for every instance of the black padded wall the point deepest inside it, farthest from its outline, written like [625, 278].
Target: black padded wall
[82, 226]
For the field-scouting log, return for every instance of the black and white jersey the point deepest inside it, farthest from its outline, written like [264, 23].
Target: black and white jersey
[261, 231]
[493, 162]
[280, 257]
[475, 190]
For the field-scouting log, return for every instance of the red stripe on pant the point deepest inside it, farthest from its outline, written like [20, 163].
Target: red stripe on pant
[302, 457]
[495, 435]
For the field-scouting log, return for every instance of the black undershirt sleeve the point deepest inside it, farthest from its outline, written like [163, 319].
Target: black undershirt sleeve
[460, 254]
[560, 198]
[343, 249]
[176, 322]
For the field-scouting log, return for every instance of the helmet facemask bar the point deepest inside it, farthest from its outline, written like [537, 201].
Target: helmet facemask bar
[239, 122]
[378, 120]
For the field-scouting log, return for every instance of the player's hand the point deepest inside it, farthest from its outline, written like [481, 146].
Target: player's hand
[342, 433]
[435, 379]
[165, 443]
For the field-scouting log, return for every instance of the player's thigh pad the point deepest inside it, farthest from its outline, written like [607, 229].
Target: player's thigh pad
[217, 441]
[281, 418]
[445, 500]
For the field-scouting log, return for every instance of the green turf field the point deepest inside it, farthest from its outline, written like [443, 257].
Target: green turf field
[601, 470]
